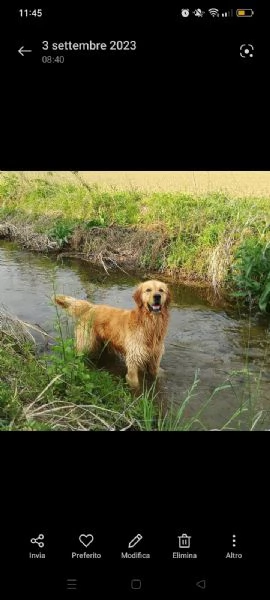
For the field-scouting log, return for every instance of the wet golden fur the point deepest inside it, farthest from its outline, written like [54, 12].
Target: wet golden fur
[136, 334]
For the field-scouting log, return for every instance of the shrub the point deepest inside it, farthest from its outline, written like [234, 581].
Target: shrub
[250, 274]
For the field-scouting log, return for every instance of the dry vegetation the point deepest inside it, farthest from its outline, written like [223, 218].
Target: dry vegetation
[235, 183]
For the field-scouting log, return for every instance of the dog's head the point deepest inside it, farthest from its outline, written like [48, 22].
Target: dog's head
[153, 295]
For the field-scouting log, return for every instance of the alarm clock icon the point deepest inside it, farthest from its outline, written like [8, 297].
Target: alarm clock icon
[185, 12]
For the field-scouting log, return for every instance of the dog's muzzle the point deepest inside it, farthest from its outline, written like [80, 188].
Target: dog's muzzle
[156, 306]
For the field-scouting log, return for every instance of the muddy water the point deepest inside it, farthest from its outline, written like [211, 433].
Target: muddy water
[201, 337]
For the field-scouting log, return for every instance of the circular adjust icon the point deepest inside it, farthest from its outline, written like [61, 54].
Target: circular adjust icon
[246, 51]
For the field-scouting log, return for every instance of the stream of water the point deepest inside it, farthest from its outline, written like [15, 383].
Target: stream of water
[213, 341]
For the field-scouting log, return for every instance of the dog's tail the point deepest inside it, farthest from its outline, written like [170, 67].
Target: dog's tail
[74, 307]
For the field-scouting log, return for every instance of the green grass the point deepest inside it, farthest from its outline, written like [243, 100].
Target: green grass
[206, 238]
[62, 390]
[68, 202]
[250, 274]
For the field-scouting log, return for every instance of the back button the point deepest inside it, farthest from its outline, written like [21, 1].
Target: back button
[201, 584]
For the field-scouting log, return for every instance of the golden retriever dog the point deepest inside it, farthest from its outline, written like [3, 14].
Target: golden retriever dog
[136, 334]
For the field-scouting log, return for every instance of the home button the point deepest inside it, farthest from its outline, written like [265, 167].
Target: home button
[136, 584]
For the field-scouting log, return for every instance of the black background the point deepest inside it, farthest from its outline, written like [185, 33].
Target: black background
[185, 101]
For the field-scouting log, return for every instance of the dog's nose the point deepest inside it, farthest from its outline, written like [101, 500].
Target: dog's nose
[157, 298]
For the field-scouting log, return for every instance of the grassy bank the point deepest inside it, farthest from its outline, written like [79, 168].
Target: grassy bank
[58, 389]
[212, 239]
[61, 390]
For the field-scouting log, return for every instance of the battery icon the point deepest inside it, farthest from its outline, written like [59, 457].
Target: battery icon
[244, 12]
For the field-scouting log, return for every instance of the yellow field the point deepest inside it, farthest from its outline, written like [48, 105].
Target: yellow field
[235, 183]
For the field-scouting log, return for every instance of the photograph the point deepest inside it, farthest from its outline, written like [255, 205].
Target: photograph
[134, 301]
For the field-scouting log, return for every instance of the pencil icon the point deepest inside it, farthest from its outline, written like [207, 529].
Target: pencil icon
[135, 540]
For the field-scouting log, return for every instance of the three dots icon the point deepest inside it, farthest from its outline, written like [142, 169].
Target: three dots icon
[234, 540]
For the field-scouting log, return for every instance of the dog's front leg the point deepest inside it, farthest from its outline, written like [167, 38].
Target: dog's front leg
[132, 375]
[154, 365]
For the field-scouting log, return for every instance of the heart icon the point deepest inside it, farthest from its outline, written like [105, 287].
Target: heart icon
[86, 539]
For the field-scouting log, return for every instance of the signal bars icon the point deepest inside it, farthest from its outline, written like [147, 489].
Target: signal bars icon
[228, 13]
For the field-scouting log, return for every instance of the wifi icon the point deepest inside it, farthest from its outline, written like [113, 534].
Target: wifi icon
[214, 12]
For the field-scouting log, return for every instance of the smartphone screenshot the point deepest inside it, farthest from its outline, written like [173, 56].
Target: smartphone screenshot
[134, 300]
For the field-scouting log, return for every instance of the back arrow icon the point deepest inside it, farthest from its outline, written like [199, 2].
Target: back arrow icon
[22, 50]
[201, 584]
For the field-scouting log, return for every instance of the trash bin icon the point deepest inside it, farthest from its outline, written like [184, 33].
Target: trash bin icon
[184, 540]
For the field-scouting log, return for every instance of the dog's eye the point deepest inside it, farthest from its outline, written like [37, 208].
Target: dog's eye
[161, 290]
[148, 290]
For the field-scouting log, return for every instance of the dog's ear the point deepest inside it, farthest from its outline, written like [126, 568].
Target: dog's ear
[137, 296]
[168, 298]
